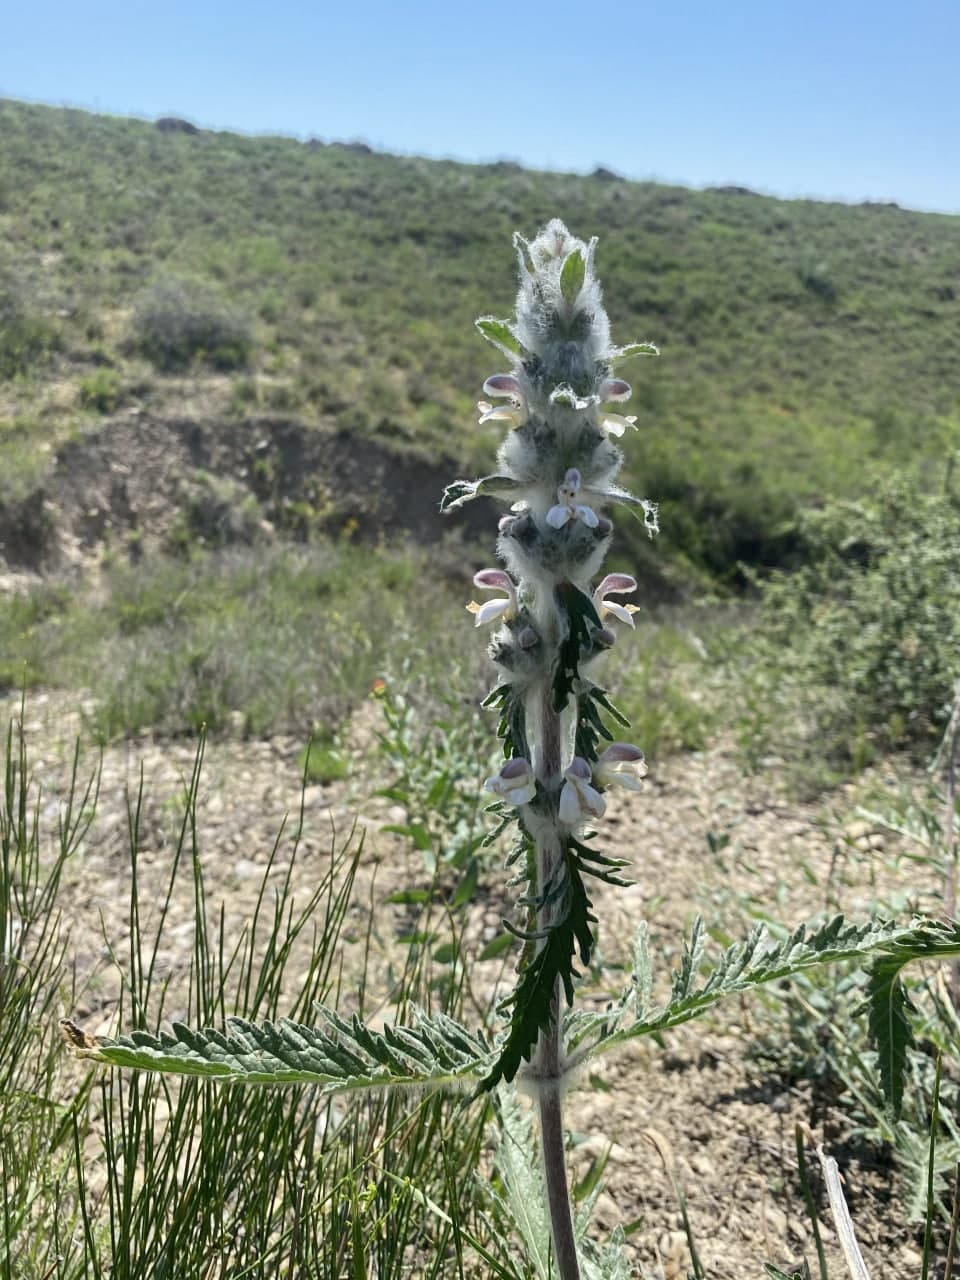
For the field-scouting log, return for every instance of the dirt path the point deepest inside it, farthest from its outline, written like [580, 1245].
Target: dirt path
[703, 840]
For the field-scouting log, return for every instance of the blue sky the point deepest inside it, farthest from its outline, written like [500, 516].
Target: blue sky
[845, 100]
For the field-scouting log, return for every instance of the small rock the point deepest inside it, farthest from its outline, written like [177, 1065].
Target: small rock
[702, 1166]
[776, 1221]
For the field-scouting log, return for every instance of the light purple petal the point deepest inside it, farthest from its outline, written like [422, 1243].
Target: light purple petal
[518, 767]
[616, 584]
[578, 769]
[615, 389]
[493, 578]
[557, 517]
[588, 516]
[618, 751]
[503, 384]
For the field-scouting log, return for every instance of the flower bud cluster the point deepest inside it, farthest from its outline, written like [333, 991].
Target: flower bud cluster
[552, 621]
[559, 463]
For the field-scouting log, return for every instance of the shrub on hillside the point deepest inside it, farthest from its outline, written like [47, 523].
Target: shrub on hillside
[25, 336]
[177, 323]
[859, 650]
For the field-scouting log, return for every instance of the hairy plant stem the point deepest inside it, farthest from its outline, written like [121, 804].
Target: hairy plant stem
[548, 1057]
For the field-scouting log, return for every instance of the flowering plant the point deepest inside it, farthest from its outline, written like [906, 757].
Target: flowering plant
[558, 465]
[557, 468]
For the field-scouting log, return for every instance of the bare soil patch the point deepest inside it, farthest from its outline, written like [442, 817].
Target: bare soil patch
[130, 482]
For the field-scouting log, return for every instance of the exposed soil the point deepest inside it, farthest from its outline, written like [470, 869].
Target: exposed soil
[134, 481]
[698, 1103]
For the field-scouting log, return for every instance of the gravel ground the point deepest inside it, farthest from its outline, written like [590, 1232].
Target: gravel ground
[697, 1113]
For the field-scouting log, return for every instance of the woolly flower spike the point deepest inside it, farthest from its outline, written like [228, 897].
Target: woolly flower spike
[620, 765]
[578, 799]
[567, 507]
[490, 580]
[515, 782]
[506, 386]
[620, 584]
[614, 423]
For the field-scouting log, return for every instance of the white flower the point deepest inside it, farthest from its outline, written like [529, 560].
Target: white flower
[614, 423]
[491, 579]
[567, 507]
[504, 385]
[515, 782]
[621, 765]
[578, 799]
[619, 584]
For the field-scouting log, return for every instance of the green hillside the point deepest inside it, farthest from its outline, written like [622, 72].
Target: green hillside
[807, 348]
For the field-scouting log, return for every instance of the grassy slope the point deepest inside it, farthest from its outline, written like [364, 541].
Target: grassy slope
[806, 347]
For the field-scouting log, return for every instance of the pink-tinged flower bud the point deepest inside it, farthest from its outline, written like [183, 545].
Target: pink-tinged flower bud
[505, 524]
[515, 782]
[603, 638]
[578, 799]
[615, 389]
[621, 764]
[616, 584]
[528, 638]
[503, 384]
[494, 580]
[604, 527]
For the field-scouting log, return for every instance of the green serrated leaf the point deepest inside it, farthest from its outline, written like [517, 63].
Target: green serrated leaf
[690, 959]
[632, 349]
[501, 333]
[642, 971]
[582, 618]
[547, 958]
[756, 961]
[337, 1056]
[572, 275]
[463, 491]
[890, 1028]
